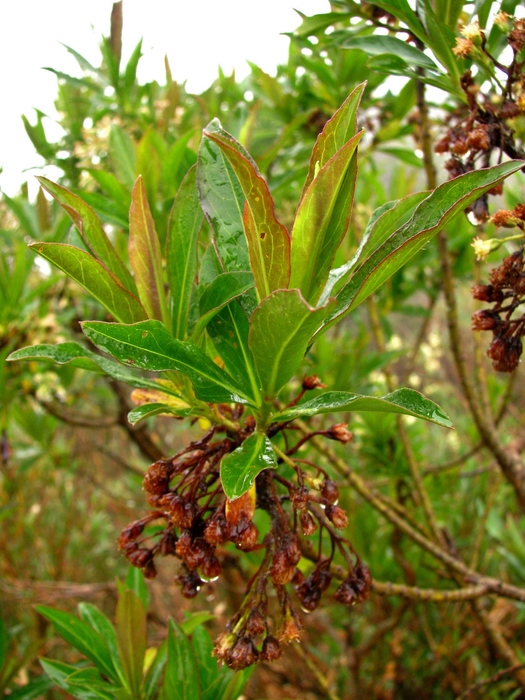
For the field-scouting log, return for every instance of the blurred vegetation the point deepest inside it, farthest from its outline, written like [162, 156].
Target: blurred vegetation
[429, 512]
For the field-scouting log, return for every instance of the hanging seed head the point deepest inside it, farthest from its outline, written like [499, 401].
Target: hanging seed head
[271, 649]
[308, 524]
[337, 516]
[242, 655]
[330, 491]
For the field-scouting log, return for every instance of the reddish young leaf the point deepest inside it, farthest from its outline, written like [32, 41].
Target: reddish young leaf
[337, 131]
[268, 240]
[145, 255]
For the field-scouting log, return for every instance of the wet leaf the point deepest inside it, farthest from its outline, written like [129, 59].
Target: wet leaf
[240, 468]
[222, 200]
[148, 345]
[405, 401]
[83, 358]
[221, 291]
[154, 409]
[268, 240]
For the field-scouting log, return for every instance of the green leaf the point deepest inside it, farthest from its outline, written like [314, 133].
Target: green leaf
[281, 328]
[145, 255]
[100, 623]
[376, 45]
[316, 23]
[154, 409]
[229, 330]
[155, 673]
[83, 358]
[183, 236]
[430, 216]
[136, 582]
[88, 223]
[33, 690]
[123, 156]
[221, 291]
[405, 401]
[181, 680]
[148, 345]
[130, 73]
[322, 221]
[383, 222]
[240, 468]
[95, 279]
[131, 638]
[207, 665]
[336, 133]
[82, 637]
[59, 673]
[440, 39]
[112, 187]
[268, 240]
[222, 200]
[193, 621]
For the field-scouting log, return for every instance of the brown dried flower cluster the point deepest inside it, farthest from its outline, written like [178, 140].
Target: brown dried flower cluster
[484, 126]
[506, 292]
[197, 523]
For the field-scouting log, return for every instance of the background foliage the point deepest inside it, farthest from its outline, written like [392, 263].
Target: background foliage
[437, 517]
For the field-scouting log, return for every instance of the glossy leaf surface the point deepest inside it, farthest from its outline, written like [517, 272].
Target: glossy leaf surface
[322, 221]
[406, 401]
[83, 358]
[429, 217]
[222, 200]
[229, 331]
[181, 679]
[88, 223]
[183, 235]
[95, 279]
[281, 328]
[268, 240]
[223, 289]
[240, 468]
[337, 131]
[154, 409]
[148, 345]
[145, 255]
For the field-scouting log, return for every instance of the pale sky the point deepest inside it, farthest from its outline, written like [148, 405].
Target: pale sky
[197, 36]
